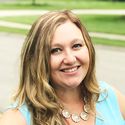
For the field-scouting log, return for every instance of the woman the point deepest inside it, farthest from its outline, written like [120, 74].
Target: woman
[58, 85]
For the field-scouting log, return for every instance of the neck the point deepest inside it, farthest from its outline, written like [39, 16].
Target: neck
[69, 96]
[70, 99]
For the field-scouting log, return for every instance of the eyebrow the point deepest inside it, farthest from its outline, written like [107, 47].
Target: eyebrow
[79, 40]
[73, 41]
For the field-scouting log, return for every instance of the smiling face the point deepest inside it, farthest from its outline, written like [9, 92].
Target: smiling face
[69, 59]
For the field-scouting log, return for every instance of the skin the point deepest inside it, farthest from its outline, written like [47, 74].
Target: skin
[12, 117]
[69, 65]
[121, 101]
[71, 55]
[70, 51]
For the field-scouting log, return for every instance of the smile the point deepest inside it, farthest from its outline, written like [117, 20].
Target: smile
[69, 70]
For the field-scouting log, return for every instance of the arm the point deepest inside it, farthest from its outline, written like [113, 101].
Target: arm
[121, 100]
[12, 117]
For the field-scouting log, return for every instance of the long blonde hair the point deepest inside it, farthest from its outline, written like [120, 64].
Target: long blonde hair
[35, 88]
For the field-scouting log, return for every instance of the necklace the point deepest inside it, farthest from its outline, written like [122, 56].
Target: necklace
[84, 115]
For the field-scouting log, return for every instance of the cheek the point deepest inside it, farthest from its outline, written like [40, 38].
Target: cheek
[55, 62]
[84, 56]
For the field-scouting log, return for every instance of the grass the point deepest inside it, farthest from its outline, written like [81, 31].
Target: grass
[65, 4]
[104, 23]
[94, 23]
[101, 41]
[20, 19]
[13, 30]
[108, 42]
[98, 23]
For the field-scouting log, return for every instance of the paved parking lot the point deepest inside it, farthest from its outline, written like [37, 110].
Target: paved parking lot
[110, 65]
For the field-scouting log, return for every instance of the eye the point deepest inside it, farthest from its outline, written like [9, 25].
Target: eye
[77, 46]
[55, 50]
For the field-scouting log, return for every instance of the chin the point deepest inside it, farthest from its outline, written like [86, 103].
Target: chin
[73, 84]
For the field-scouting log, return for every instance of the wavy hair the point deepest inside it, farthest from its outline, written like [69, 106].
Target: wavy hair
[35, 88]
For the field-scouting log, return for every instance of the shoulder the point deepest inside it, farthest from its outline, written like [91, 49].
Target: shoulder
[107, 93]
[113, 97]
[106, 90]
[121, 101]
[17, 114]
[12, 117]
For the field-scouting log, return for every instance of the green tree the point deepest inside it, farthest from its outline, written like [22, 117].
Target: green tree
[33, 2]
[119, 0]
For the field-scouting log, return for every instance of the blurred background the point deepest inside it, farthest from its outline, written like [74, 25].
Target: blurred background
[104, 20]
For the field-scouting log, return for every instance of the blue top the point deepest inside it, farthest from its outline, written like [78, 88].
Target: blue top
[107, 107]
[108, 111]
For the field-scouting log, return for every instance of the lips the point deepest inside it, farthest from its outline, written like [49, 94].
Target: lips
[69, 70]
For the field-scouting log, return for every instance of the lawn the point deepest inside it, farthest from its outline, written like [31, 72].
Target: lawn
[105, 23]
[108, 42]
[13, 30]
[63, 4]
[94, 23]
[94, 40]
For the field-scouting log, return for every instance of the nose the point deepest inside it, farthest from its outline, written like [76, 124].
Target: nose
[69, 58]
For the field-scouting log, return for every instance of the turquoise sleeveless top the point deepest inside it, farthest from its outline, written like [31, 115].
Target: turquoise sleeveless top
[108, 112]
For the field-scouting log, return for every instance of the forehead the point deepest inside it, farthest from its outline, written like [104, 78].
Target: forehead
[67, 31]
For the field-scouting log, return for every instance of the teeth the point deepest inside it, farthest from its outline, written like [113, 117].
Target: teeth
[70, 70]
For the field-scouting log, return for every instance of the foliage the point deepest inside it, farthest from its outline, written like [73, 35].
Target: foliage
[74, 4]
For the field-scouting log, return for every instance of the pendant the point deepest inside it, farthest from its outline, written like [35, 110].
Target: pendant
[86, 108]
[65, 114]
[75, 118]
[84, 116]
